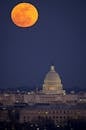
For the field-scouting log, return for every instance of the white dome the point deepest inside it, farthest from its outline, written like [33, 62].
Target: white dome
[52, 82]
[52, 76]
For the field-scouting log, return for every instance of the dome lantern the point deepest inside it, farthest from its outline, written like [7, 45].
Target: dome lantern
[52, 68]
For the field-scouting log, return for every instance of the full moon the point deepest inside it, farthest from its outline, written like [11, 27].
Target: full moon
[24, 15]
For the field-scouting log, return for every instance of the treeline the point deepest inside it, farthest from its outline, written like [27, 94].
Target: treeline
[43, 124]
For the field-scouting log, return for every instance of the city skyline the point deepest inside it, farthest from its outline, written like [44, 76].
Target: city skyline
[57, 38]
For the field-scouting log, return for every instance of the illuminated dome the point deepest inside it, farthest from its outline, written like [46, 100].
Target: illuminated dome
[52, 83]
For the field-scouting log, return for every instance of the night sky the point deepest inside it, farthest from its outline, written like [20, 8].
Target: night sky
[58, 37]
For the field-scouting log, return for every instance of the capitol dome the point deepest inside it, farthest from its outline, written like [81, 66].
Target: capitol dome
[52, 82]
[52, 76]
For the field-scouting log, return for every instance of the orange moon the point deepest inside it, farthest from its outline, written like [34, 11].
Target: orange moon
[24, 15]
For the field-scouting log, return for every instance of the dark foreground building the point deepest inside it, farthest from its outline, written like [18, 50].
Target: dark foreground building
[57, 115]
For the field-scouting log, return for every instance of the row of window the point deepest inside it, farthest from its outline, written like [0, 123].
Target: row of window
[52, 112]
[27, 118]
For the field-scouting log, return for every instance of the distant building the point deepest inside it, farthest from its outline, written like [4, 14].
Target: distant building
[52, 92]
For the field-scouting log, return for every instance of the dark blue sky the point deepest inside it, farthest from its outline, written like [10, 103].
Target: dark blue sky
[59, 37]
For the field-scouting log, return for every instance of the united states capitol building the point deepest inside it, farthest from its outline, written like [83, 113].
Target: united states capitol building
[51, 102]
[52, 92]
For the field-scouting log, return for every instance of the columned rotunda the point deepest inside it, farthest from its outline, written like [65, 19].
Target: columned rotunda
[52, 83]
